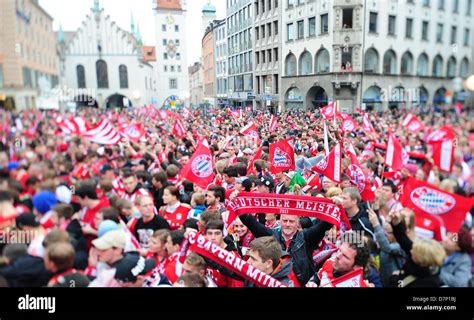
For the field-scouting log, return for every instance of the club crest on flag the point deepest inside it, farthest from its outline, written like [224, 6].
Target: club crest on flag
[282, 158]
[322, 164]
[133, 132]
[253, 135]
[202, 166]
[348, 125]
[357, 177]
[432, 201]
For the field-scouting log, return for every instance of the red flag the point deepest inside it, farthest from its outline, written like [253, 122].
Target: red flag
[251, 132]
[273, 124]
[431, 202]
[236, 114]
[103, 133]
[133, 132]
[178, 129]
[353, 279]
[312, 183]
[331, 166]
[282, 157]
[330, 111]
[357, 176]
[348, 124]
[442, 134]
[367, 125]
[395, 157]
[199, 169]
[412, 123]
[257, 156]
[443, 154]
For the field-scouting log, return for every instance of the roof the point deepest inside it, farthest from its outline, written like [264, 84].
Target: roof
[169, 4]
[149, 53]
[209, 9]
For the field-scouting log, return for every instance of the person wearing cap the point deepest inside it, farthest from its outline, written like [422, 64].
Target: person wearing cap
[248, 154]
[265, 184]
[43, 202]
[134, 271]
[106, 253]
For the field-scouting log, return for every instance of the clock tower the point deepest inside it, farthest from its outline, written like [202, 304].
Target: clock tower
[172, 66]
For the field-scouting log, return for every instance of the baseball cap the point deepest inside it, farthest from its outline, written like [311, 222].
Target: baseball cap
[27, 220]
[43, 201]
[224, 155]
[112, 239]
[248, 151]
[266, 181]
[290, 174]
[132, 266]
[64, 194]
[106, 226]
[79, 280]
[13, 165]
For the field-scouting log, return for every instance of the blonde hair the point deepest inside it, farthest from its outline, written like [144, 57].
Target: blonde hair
[448, 185]
[428, 253]
[198, 198]
[220, 166]
[334, 192]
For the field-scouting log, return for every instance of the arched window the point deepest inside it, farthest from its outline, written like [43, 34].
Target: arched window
[464, 68]
[438, 66]
[290, 65]
[422, 65]
[371, 64]
[452, 65]
[123, 75]
[102, 74]
[81, 77]
[407, 63]
[322, 61]
[390, 62]
[306, 63]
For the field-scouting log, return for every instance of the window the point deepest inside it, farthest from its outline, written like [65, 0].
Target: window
[324, 23]
[176, 28]
[440, 4]
[301, 29]
[392, 20]
[179, 68]
[163, 27]
[439, 32]
[269, 29]
[165, 56]
[123, 76]
[468, 7]
[455, 6]
[426, 3]
[275, 28]
[467, 35]
[275, 54]
[257, 58]
[312, 26]
[373, 22]
[178, 56]
[409, 28]
[177, 43]
[347, 59]
[263, 31]
[454, 31]
[269, 55]
[81, 77]
[102, 74]
[165, 42]
[173, 83]
[172, 69]
[290, 32]
[257, 35]
[424, 30]
[165, 68]
[347, 15]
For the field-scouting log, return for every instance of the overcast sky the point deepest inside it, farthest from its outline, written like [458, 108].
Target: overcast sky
[70, 15]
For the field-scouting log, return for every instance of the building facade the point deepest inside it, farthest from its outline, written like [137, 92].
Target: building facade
[374, 54]
[220, 50]
[106, 65]
[240, 62]
[196, 87]
[28, 57]
[171, 67]
[267, 51]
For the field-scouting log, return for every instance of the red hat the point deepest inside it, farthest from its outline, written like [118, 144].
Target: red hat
[63, 147]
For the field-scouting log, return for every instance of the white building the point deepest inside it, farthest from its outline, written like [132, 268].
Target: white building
[375, 54]
[172, 64]
[220, 50]
[196, 88]
[103, 65]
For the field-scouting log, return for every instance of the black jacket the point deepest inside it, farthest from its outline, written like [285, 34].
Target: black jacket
[361, 222]
[301, 246]
[425, 277]
[280, 273]
[79, 243]
[26, 271]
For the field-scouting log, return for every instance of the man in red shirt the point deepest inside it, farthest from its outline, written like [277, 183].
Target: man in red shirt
[90, 203]
[133, 189]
